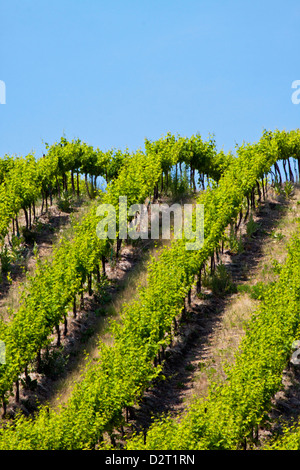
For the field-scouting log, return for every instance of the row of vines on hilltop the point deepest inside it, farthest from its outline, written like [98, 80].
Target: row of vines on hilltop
[24, 181]
[118, 378]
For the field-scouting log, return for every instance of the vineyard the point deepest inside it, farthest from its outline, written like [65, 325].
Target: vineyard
[194, 351]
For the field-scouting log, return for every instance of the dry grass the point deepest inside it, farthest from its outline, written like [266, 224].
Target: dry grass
[275, 247]
[222, 346]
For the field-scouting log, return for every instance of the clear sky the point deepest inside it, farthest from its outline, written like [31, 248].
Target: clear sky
[116, 71]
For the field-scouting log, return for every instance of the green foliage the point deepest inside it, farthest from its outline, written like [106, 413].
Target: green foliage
[251, 227]
[277, 235]
[5, 259]
[53, 363]
[257, 291]
[288, 189]
[277, 187]
[28, 235]
[220, 282]
[86, 334]
[180, 185]
[235, 242]
[65, 202]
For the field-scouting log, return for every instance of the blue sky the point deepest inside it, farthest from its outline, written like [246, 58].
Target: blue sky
[114, 72]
